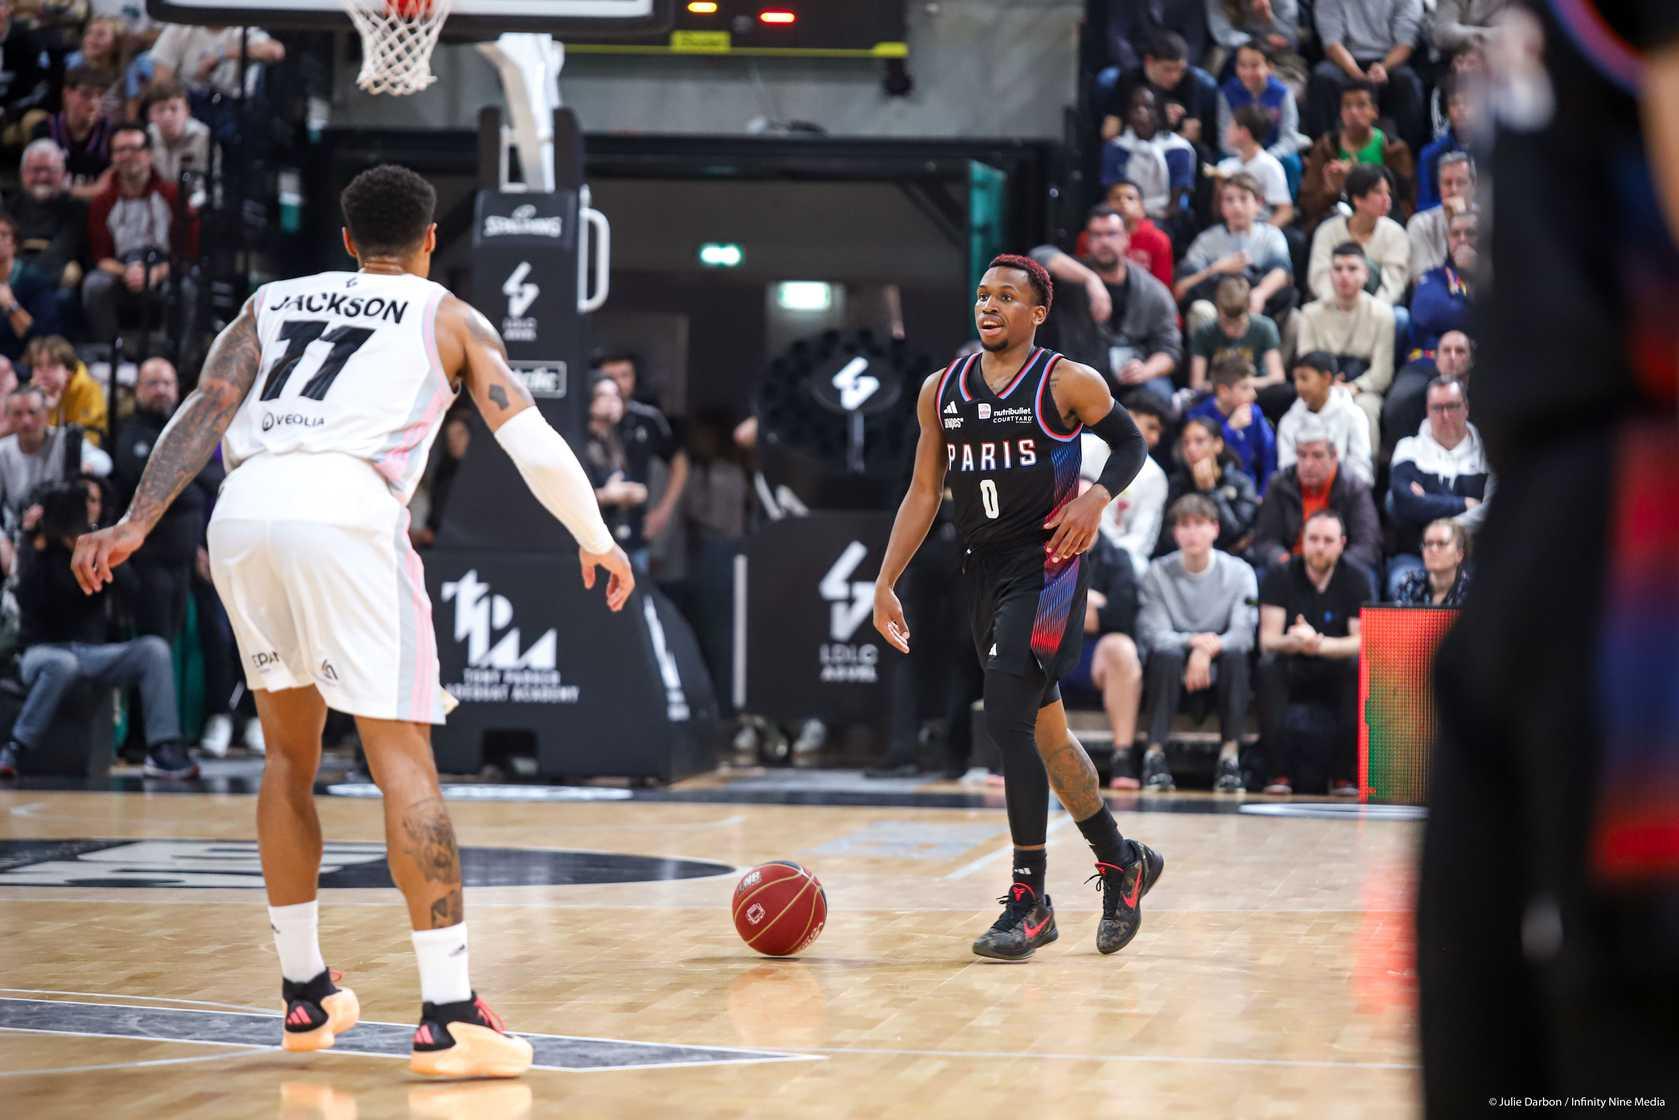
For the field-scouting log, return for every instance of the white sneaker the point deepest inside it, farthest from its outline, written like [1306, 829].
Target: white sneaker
[812, 736]
[217, 736]
[253, 737]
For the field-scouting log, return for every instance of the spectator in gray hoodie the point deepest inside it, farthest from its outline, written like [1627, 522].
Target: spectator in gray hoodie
[1195, 628]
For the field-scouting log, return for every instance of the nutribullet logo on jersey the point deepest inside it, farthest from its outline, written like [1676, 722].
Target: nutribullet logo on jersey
[517, 326]
[523, 222]
[850, 603]
[498, 667]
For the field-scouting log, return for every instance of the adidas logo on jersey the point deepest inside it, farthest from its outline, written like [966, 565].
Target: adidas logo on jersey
[950, 409]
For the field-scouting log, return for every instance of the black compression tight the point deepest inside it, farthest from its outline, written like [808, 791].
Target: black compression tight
[1011, 717]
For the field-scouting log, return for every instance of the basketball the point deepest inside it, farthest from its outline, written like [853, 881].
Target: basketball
[779, 908]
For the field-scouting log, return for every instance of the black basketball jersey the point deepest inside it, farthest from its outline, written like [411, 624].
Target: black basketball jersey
[1010, 460]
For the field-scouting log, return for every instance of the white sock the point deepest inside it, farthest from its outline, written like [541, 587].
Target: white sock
[443, 964]
[297, 939]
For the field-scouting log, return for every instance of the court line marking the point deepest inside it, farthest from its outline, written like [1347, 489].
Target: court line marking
[1179, 1059]
[131, 1065]
[759, 1058]
[246, 1008]
[985, 861]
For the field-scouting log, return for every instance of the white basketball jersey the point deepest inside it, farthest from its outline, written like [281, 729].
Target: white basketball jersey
[349, 367]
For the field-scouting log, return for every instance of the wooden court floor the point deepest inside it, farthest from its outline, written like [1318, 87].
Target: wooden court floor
[1273, 975]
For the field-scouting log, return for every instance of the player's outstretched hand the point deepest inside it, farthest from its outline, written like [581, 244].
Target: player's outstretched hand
[1075, 525]
[889, 618]
[97, 553]
[621, 577]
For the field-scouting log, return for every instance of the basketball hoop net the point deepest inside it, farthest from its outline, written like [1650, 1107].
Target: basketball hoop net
[397, 38]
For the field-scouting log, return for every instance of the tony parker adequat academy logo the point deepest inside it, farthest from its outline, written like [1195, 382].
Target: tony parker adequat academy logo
[850, 605]
[499, 666]
[221, 864]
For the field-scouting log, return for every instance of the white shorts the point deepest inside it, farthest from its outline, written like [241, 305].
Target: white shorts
[341, 607]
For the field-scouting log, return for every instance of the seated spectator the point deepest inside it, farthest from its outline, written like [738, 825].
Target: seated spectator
[104, 48]
[1246, 432]
[1253, 83]
[1369, 42]
[1242, 137]
[1442, 305]
[1337, 152]
[1110, 665]
[36, 455]
[1386, 249]
[1463, 23]
[605, 461]
[28, 299]
[1212, 472]
[1148, 244]
[1269, 29]
[1111, 314]
[135, 232]
[1194, 629]
[66, 637]
[1315, 482]
[51, 222]
[1241, 245]
[1440, 472]
[1309, 645]
[1239, 332]
[1455, 140]
[1355, 328]
[1322, 398]
[1186, 94]
[1428, 228]
[1454, 358]
[83, 131]
[25, 84]
[72, 395]
[206, 59]
[164, 565]
[180, 141]
[1443, 579]
[1132, 520]
[1161, 163]
[1132, 26]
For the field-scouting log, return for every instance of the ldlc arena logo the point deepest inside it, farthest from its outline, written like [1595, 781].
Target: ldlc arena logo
[850, 604]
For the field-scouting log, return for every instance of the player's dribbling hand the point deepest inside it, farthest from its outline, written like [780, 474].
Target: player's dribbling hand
[889, 618]
[97, 553]
[620, 575]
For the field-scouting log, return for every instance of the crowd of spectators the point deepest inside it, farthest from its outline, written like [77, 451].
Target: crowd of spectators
[1310, 348]
[110, 128]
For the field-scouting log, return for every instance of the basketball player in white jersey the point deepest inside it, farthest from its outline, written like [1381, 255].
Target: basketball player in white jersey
[326, 393]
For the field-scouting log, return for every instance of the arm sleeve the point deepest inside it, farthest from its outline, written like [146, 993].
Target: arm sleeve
[1127, 449]
[1244, 615]
[554, 475]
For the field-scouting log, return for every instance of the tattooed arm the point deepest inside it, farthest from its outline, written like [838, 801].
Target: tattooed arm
[476, 357]
[181, 452]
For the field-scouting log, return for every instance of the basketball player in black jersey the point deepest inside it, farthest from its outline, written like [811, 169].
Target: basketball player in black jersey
[1001, 428]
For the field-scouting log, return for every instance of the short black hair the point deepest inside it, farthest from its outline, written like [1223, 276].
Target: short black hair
[1100, 212]
[1351, 249]
[135, 127]
[1167, 46]
[1141, 403]
[88, 76]
[1230, 370]
[388, 209]
[1321, 360]
[607, 357]
[1254, 119]
[1254, 46]
[1356, 87]
[1042, 286]
[1366, 177]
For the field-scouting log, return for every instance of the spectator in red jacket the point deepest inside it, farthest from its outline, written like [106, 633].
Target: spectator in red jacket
[1150, 247]
[137, 233]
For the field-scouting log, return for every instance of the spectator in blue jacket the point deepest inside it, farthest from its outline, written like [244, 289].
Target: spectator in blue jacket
[1247, 434]
[1439, 472]
[1454, 91]
[1253, 83]
[1442, 304]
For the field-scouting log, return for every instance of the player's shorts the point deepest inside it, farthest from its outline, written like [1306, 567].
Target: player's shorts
[1028, 613]
[340, 606]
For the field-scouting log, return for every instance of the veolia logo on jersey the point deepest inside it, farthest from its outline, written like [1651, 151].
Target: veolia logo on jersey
[523, 222]
[272, 420]
[850, 603]
[499, 668]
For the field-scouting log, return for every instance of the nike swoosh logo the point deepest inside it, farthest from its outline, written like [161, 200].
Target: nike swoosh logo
[1136, 886]
[1034, 930]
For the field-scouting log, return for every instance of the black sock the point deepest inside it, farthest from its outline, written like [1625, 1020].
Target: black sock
[1029, 869]
[1101, 832]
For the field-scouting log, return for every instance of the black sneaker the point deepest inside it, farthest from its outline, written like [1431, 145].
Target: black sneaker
[1122, 890]
[1156, 774]
[1229, 778]
[1025, 924]
[8, 762]
[168, 760]
[466, 1039]
[317, 1012]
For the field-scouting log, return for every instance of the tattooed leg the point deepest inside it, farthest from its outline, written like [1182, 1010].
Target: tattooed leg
[1071, 773]
[419, 837]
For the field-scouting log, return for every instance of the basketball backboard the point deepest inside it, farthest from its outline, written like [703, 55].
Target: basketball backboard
[474, 19]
